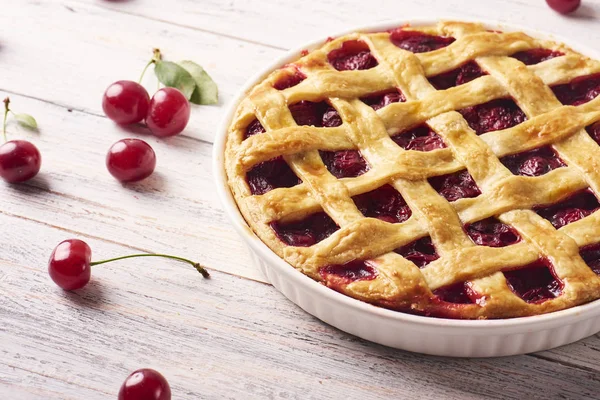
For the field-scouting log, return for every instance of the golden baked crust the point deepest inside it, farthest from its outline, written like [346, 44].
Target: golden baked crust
[399, 283]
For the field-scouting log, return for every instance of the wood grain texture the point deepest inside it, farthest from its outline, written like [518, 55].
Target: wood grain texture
[218, 338]
[232, 336]
[290, 23]
[174, 211]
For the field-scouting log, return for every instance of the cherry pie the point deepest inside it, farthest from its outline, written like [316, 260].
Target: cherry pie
[447, 171]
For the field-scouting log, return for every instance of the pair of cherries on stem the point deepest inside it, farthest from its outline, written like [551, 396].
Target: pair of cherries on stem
[20, 160]
[128, 102]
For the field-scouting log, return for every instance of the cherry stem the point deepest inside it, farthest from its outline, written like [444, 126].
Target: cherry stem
[6, 111]
[156, 56]
[144, 71]
[198, 267]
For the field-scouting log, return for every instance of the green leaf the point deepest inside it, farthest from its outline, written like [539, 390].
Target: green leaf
[26, 121]
[206, 91]
[172, 75]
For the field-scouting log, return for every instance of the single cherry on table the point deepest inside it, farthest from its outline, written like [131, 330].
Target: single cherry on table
[20, 160]
[130, 160]
[145, 384]
[71, 261]
[564, 6]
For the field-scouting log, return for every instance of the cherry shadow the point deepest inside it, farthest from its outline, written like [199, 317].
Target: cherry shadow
[154, 183]
[136, 129]
[40, 183]
[93, 293]
[585, 11]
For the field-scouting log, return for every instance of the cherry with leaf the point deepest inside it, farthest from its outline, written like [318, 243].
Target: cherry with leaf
[167, 113]
[20, 160]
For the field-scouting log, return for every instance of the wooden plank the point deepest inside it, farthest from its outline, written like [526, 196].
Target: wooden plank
[291, 23]
[174, 211]
[221, 338]
[584, 354]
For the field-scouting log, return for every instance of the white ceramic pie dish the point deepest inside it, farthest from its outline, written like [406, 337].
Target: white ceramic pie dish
[437, 336]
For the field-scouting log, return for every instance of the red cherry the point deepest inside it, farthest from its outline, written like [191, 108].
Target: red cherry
[69, 265]
[145, 384]
[169, 112]
[564, 6]
[20, 161]
[126, 102]
[130, 160]
[71, 261]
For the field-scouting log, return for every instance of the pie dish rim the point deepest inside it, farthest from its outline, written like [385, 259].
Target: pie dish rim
[272, 261]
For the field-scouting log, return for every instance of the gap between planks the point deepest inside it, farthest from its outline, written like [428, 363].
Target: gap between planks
[88, 112]
[99, 238]
[58, 378]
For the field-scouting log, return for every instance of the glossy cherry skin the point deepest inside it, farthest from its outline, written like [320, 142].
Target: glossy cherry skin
[20, 161]
[130, 160]
[145, 384]
[126, 102]
[564, 6]
[69, 265]
[169, 112]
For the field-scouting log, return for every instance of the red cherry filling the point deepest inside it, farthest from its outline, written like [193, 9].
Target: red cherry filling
[421, 138]
[384, 203]
[349, 272]
[421, 252]
[572, 209]
[353, 55]
[254, 128]
[269, 175]
[289, 80]
[458, 185]
[305, 233]
[494, 115]
[535, 282]
[591, 256]
[315, 114]
[344, 163]
[533, 163]
[459, 293]
[418, 42]
[380, 100]
[456, 77]
[536, 56]
[493, 233]
[578, 91]
[594, 131]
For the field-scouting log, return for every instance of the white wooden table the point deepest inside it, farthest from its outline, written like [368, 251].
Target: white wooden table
[233, 336]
